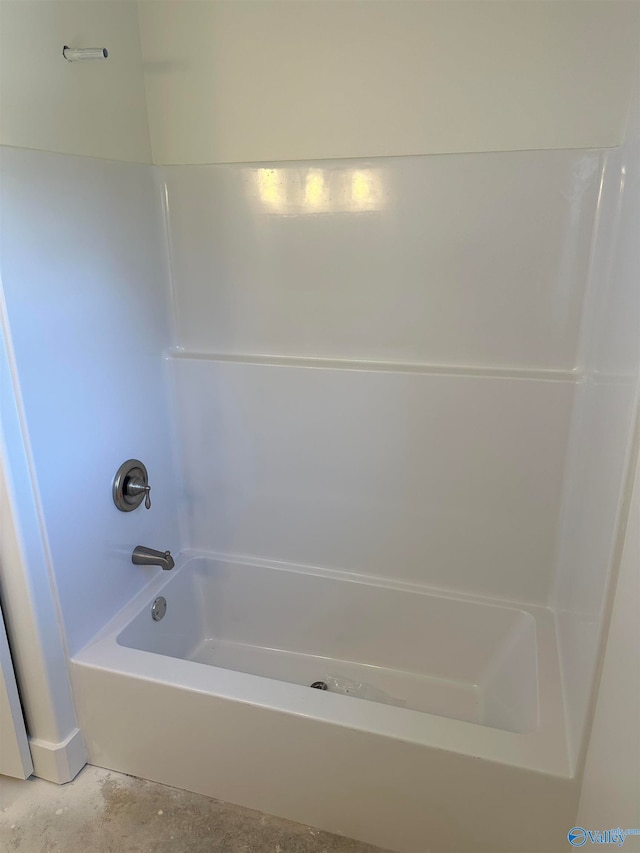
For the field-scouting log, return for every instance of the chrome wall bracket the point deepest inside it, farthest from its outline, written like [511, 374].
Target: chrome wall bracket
[131, 486]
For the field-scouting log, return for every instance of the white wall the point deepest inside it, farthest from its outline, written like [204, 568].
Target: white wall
[611, 785]
[85, 286]
[256, 81]
[96, 109]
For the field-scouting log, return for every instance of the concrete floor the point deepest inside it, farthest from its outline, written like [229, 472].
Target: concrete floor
[106, 812]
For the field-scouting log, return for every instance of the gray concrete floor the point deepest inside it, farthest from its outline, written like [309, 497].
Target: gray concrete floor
[106, 812]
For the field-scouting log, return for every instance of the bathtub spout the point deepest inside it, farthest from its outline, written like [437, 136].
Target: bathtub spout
[143, 556]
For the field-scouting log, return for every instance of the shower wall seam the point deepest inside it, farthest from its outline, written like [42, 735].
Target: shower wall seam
[427, 368]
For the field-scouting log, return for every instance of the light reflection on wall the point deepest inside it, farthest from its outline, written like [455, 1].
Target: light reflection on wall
[293, 190]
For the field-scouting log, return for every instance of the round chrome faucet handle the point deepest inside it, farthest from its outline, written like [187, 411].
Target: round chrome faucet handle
[131, 486]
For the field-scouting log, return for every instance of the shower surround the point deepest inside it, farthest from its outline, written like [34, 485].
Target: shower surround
[386, 405]
[369, 422]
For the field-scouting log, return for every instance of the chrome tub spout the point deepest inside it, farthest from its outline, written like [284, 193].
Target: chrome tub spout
[143, 556]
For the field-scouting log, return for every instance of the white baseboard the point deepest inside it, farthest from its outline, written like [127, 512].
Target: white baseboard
[58, 762]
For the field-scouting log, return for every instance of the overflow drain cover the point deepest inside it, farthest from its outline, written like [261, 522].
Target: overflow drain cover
[159, 608]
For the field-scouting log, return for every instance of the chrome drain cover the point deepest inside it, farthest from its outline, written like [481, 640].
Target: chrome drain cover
[159, 608]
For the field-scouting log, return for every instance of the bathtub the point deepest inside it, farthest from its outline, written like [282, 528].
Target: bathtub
[425, 705]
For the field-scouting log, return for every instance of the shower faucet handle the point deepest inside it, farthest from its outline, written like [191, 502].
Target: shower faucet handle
[131, 486]
[136, 486]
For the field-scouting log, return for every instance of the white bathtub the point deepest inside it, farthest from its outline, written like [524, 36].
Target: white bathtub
[216, 698]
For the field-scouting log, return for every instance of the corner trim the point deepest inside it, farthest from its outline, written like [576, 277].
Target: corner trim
[58, 762]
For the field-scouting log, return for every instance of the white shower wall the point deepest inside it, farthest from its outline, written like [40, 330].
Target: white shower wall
[596, 493]
[422, 369]
[449, 481]
[474, 260]
[384, 391]
[85, 285]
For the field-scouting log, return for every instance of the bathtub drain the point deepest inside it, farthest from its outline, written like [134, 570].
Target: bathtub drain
[320, 685]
